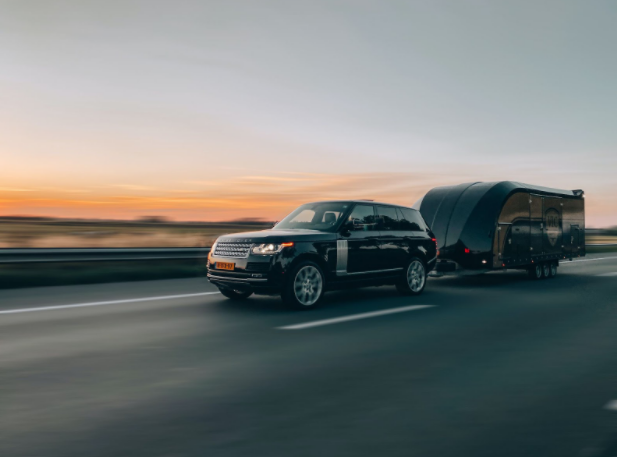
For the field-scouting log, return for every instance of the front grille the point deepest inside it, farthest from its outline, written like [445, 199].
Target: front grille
[257, 266]
[236, 250]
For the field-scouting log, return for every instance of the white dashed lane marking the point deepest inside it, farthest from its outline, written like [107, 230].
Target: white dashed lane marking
[611, 405]
[103, 303]
[354, 317]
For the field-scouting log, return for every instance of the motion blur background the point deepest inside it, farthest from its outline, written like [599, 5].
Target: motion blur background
[157, 123]
[143, 129]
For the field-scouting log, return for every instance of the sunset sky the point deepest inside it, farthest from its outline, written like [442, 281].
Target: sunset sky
[217, 110]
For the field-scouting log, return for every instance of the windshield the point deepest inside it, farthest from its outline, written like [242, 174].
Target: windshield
[315, 216]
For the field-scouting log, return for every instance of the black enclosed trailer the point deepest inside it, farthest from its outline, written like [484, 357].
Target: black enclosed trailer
[486, 226]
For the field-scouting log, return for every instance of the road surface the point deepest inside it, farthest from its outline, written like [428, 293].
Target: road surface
[496, 365]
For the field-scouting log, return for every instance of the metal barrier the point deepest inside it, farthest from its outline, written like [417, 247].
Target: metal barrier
[45, 255]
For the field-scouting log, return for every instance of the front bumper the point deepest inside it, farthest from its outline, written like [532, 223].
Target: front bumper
[258, 274]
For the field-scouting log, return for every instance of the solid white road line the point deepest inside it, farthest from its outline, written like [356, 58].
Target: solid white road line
[354, 317]
[614, 273]
[611, 405]
[565, 263]
[102, 303]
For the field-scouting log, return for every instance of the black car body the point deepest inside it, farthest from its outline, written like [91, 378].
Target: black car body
[486, 226]
[353, 243]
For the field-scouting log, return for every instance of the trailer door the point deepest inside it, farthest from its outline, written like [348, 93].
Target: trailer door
[552, 231]
[535, 224]
[574, 240]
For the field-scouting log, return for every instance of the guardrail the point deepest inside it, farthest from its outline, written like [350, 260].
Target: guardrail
[45, 255]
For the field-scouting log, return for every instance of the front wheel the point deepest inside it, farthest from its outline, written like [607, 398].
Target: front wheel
[235, 294]
[414, 279]
[304, 287]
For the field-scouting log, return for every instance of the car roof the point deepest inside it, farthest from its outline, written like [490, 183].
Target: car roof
[366, 202]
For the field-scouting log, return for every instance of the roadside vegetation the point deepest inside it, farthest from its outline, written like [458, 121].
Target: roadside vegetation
[33, 232]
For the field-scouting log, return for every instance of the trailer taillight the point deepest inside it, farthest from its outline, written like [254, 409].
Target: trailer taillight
[467, 251]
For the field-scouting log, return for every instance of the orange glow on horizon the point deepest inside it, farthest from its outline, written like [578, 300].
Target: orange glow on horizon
[262, 197]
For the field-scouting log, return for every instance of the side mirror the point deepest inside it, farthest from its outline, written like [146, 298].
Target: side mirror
[347, 228]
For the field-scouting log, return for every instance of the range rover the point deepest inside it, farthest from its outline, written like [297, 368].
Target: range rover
[325, 246]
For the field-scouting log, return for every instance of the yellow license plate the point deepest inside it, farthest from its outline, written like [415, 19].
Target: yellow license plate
[225, 265]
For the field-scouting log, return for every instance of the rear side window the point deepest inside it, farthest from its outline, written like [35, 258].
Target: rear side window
[388, 218]
[363, 219]
[413, 220]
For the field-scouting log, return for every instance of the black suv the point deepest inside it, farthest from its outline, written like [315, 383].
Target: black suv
[324, 246]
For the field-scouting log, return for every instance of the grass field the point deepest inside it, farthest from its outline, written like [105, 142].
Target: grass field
[65, 233]
[58, 233]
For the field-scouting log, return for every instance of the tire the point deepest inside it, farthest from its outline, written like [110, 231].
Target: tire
[546, 270]
[413, 281]
[235, 294]
[535, 271]
[552, 270]
[304, 287]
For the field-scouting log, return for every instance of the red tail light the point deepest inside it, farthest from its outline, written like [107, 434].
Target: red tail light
[467, 251]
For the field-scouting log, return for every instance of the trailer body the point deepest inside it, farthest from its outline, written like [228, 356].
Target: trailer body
[485, 226]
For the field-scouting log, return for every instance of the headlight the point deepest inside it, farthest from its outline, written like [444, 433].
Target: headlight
[270, 248]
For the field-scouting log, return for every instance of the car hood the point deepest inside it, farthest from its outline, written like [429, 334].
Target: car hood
[277, 236]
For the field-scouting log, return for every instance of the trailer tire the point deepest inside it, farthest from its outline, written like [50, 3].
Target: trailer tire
[552, 270]
[546, 270]
[535, 271]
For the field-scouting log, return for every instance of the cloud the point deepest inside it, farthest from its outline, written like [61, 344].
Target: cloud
[14, 189]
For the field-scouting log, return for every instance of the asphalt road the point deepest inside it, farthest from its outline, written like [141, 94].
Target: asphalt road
[497, 365]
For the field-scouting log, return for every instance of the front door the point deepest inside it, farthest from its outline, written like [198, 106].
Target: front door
[358, 249]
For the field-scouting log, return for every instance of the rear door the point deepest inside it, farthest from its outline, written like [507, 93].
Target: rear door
[391, 239]
[362, 245]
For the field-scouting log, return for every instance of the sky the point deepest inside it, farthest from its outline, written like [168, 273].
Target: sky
[219, 110]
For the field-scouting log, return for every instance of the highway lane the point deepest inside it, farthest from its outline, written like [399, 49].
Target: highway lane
[496, 365]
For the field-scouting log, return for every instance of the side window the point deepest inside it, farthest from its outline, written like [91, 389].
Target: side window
[414, 220]
[363, 219]
[388, 220]
[404, 224]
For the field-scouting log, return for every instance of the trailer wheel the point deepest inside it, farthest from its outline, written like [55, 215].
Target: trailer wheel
[535, 271]
[552, 270]
[546, 270]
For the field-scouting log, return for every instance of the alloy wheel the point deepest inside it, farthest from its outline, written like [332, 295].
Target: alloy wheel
[308, 285]
[416, 276]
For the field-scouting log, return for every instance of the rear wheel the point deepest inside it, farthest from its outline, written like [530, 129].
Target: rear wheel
[552, 270]
[535, 272]
[304, 287]
[235, 294]
[414, 279]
